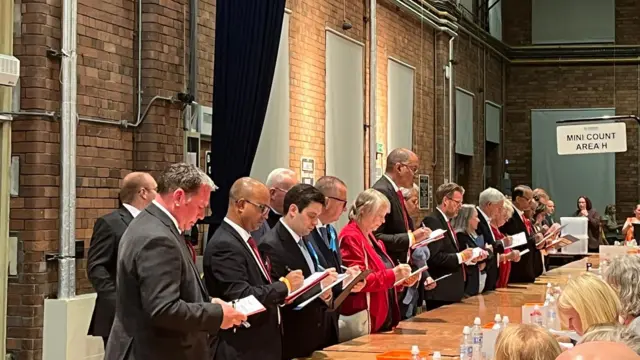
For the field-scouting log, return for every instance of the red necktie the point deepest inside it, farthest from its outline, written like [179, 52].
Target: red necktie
[455, 237]
[254, 247]
[192, 250]
[404, 210]
[527, 224]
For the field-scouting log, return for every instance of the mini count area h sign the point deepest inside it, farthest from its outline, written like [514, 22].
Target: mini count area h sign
[592, 138]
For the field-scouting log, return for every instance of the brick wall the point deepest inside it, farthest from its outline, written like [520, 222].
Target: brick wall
[107, 81]
[571, 86]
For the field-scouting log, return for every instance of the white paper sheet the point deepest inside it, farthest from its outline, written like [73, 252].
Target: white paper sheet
[518, 239]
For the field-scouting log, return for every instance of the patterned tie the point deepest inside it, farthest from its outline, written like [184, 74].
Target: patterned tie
[307, 257]
[455, 237]
[404, 210]
[254, 247]
[333, 238]
[527, 224]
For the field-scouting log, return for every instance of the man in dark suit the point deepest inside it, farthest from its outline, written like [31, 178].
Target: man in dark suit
[447, 255]
[279, 182]
[530, 264]
[490, 205]
[235, 269]
[138, 190]
[287, 247]
[163, 311]
[395, 232]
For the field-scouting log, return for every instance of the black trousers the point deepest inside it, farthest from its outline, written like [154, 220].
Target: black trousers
[434, 304]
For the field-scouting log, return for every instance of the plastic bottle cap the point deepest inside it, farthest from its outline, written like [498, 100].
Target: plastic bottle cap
[466, 330]
[549, 285]
[415, 350]
[477, 321]
[497, 318]
[436, 355]
[505, 320]
[536, 307]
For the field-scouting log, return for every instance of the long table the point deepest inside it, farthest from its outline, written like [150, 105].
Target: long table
[441, 329]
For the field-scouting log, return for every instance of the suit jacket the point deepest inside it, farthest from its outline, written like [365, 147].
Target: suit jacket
[472, 284]
[393, 231]
[443, 261]
[492, 261]
[305, 330]
[272, 218]
[258, 234]
[101, 267]
[530, 265]
[163, 311]
[231, 272]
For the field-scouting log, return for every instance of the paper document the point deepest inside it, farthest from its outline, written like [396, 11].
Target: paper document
[434, 236]
[555, 228]
[249, 305]
[566, 238]
[442, 277]
[346, 289]
[422, 269]
[518, 239]
[340, 278]
[524, 252]
[308, 283]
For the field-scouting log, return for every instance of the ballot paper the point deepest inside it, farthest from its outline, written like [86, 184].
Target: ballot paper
[568, 237]
[339, 279]
[518, 239]
[477, 252]
[525, 251]
[422, 269]
[442, 277]
[308, 284]
[249, 305]
[434, 236]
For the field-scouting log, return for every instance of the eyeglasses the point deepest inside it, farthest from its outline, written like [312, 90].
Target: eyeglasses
[458, 202]
[344, 202]
[413, 169]
[264, 209]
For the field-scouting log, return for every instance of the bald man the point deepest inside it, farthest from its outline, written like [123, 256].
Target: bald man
[235, 269]
[138, 190]
[599, 350]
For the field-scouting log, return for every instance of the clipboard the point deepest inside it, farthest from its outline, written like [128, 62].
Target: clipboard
[340, 279]
[347, 290]
[419, 271]
[309, 283]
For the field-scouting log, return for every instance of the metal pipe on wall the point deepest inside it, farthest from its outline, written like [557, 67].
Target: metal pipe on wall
[451, 117]
[193, 56]
[66, 260]
[373, 82]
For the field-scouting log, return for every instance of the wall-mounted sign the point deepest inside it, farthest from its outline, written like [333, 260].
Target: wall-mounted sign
[207, 162]
[592, 138]
[307, 170]
[379, 159]
[424, 195]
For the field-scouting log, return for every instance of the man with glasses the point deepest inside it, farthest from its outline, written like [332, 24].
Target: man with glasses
[448, 256]
[530, 264]
[278, 182]
[234, 269]
[138, 190]
[395, 232]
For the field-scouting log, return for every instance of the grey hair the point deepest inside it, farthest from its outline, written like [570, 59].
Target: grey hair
[460, 223]
[623, 274]
[277, 176]
[613, 333]
[368, 202]
[183, 176]
[490, 196]
[406, 193]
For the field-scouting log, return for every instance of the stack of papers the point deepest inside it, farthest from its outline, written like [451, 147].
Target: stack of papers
[518, 239]
[435, 236]
[308, 283]
[422, 269]
[249, 305]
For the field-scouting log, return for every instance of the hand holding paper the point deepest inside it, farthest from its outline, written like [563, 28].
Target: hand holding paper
[249, 305]
[411, 278]
[330, 279]
[402, 271]
[434, 235]
[295, 279]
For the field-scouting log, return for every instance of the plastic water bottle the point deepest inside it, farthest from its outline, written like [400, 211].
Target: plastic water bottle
[466, 344]
[436, 355]
[552, 315]
[536, 316]
[497, 322]
[415, 353]
[548, 290]
[476, 335]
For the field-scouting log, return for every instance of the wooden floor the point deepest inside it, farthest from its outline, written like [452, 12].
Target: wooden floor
[441, 329]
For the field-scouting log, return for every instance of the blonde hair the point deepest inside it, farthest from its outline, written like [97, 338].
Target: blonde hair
[526, 342]
[367, 202]
[508, 208]
[593, 299]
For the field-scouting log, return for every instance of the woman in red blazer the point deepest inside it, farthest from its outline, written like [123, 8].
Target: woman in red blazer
[359, 247]
[509, 255]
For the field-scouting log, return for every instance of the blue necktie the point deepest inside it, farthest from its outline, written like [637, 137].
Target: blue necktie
[332, 238]
[312, 251]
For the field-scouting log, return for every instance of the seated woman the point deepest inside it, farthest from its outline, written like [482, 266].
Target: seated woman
[526, 342]
[378, 299]
[615, 333]
[465, 225]
[504, 260]
[585, 301]
[623, 274]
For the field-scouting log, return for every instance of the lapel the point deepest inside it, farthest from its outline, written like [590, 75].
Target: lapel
[291, 247]
[518, 219]
[186, 255]
[443, 222]
[486, 229]
[247, 249]
[125, 215]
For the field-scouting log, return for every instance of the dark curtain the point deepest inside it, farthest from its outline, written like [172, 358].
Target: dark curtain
[247, 40]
